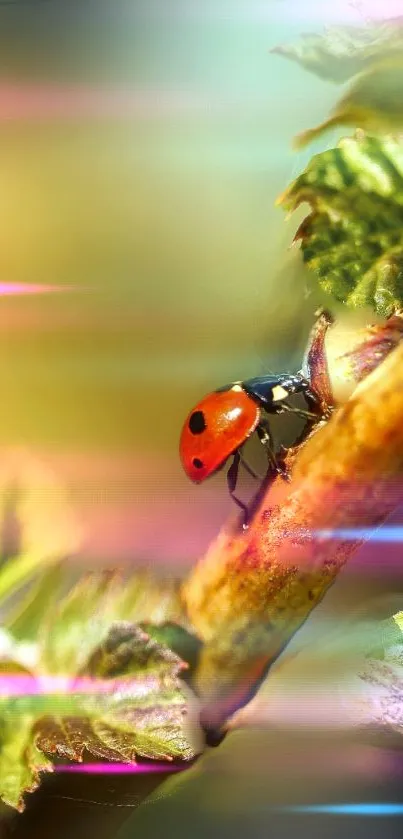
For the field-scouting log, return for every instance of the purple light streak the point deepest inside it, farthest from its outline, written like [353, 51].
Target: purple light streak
[25, 684]
[119, 768]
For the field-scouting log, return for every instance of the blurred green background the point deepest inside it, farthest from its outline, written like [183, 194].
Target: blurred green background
[142, 147]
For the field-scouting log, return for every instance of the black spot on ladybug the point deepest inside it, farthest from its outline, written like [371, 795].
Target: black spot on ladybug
[197, 463]
[197, 422]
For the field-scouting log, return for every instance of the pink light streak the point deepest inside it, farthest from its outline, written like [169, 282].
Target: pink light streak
[120, 768]
[57, 101]
[24, 684]
[11, 289]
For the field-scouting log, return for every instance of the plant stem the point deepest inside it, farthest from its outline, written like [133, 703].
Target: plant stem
[252, 591]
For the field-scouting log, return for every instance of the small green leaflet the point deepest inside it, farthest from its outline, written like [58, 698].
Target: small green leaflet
[25, 617]
[353, 237]
[21, 762]
[128, 650]
[373, 103]
[178, 639]
[382, 673]
[340, 52]
[95, 602]
[389, 640]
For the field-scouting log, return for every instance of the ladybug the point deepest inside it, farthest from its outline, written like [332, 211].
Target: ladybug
[221, 423]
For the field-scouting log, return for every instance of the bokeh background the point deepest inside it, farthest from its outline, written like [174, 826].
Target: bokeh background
[142, 146]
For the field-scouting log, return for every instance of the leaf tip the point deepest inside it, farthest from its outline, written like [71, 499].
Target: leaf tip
[303, 139]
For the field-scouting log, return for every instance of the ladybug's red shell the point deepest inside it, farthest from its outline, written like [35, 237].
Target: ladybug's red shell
[215, 429]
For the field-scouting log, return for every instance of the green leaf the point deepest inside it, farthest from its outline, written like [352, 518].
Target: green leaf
[353, 239]
[16, 656]
[26, 617]
[382, 674]
[21, 758]
[340, 52]
[73, 628]
[178, 639]
[142, 713]
[70, 737]
[389, 640]
[132, 703]
[21, 762]
[126, 650]
[374, 103]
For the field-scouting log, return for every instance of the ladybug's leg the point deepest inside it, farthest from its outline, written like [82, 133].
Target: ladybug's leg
[314, 367]
[313, 402]
[266, 439]
[232, 477]
[316, 407]
[248, 468]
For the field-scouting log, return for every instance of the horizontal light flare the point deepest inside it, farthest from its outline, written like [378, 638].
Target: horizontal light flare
[120, 768]
[25, 684]
[44, 101]
[359, 809]
[384, 534]
[10, 289]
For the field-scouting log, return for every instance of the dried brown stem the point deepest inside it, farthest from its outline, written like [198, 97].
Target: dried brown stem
[251, 592]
